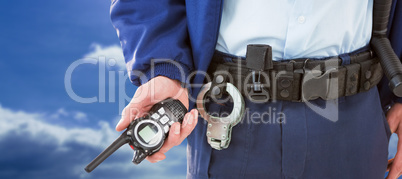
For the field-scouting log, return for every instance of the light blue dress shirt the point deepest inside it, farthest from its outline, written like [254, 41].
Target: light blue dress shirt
[296, 28]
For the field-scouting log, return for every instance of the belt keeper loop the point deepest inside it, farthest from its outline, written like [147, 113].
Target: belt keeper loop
[218, 85]
[284, 85]
[345, 59]
[290, 66]
[259, 59]
[298, 80]
[365, 75]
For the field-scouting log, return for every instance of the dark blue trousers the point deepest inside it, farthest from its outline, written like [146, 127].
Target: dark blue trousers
[304, 145]
[290, 140]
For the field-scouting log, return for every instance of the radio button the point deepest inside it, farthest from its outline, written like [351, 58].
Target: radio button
[166, 128]
[155, 116]
[161, 111]
[164, 120]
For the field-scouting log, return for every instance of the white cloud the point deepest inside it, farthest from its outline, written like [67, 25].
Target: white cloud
[80, 116]
[59, 113]
[33, 126]
[113, 54]
[62, 113]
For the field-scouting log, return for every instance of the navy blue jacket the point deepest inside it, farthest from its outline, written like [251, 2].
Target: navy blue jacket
[186, 32]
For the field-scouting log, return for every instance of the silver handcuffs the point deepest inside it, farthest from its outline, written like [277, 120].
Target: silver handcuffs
[219, 129]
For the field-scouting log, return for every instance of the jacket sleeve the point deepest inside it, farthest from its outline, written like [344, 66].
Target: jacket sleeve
[154, 38]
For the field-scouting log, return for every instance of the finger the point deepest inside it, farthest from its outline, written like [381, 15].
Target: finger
[390, 161]
[160, 155]
[127, 115]
[137, 107]
[393, 123]
[189, 124]
[156, 157]
[393, 117]
[394, 171]
[396, 166]
[173, 138]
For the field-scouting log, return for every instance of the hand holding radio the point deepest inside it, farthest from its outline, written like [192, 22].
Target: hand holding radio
[148, 94]
[153, 125]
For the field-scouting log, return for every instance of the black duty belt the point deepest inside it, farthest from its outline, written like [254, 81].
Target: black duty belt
[260, 79]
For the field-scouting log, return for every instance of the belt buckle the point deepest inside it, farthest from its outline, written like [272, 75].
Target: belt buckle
[219, 129]
[317, 85]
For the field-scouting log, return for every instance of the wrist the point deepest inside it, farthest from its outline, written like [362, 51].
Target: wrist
[168, 68]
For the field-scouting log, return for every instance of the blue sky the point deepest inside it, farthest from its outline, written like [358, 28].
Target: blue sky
[44, 132]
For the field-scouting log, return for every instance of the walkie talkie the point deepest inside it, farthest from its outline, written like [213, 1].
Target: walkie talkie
[147, 134]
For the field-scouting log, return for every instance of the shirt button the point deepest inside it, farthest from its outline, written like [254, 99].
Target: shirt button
[301, 19]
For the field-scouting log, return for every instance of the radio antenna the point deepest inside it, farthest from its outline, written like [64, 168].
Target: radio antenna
[123, 139]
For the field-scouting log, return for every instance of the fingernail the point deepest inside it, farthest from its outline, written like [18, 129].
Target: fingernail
[177, 129]
[185, 121]
[190, 119]
[193, 116]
